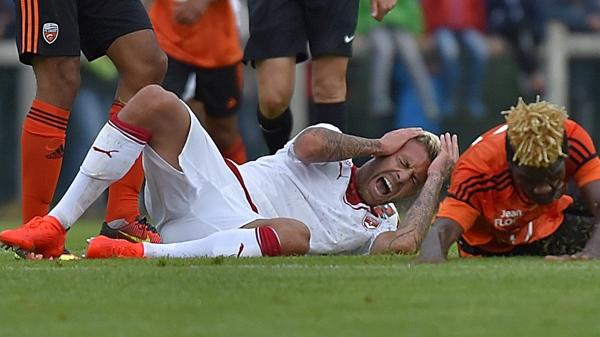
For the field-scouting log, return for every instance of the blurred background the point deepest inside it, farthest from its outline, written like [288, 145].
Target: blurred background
[445, 65]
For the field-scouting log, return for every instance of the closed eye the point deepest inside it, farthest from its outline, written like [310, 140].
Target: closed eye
[413, 178]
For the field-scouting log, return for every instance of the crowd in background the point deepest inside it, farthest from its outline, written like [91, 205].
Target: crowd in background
[440, 64]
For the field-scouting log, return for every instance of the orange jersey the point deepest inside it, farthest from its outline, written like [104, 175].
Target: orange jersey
[210, 42]
[483, 200]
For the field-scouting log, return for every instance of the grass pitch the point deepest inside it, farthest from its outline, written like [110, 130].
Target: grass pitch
[302, 296]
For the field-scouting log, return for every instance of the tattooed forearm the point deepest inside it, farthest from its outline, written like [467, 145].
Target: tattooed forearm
[408, 238]
[334, 146]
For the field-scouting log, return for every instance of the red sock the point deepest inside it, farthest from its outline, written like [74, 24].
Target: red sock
[236, 152]
[268, 241]
[42, 150]
[123, 195]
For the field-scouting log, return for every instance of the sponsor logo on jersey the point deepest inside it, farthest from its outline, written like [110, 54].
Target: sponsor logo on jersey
[508, 217]
[348, 39]
[50, 32]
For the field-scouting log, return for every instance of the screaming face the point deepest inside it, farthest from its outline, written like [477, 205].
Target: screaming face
[399, 175]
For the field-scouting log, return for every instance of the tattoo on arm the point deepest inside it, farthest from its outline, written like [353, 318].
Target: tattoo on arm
[338, 146]
[418, 218]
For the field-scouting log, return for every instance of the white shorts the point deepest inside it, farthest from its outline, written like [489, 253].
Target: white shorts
[204, 198]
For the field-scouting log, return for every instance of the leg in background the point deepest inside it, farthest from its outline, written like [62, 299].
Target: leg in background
[140, 62]
[329, 89]
[43, 137]
[275, 78]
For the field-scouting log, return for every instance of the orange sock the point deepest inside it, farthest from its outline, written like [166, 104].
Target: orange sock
[42, 150]
[123, 195]
[236, 152]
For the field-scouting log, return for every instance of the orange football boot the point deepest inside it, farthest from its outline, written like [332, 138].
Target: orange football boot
[41, 235]
[101, 247]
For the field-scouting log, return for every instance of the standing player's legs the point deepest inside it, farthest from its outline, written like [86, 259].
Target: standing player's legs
[216, 101]
[130, 43]
[50, 43]
[329, 89]
[275, 78]
[140, 62]
[112, 154]
[277, 41]
[330, 27]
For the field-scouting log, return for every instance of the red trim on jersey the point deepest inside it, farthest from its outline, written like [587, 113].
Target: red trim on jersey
[352, 197]
[238, 175]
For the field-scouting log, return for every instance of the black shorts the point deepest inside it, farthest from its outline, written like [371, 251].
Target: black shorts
[66, 27]
[219, 89]
[282, 28]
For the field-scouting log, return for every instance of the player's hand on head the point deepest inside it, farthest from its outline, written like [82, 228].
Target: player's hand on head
[379, 8]
[446, 159]
[394, 140]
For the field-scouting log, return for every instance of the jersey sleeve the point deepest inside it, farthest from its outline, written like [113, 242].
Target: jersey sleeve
[583, 162]
[461, 205]
[460, 212]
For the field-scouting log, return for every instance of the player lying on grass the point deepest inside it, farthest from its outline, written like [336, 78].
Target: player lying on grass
[507, 194]
[206, 206]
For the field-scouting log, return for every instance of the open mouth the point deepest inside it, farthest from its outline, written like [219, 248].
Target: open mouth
[384, 186]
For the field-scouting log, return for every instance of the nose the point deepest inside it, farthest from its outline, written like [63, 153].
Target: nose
[404, 175]
[542, 189]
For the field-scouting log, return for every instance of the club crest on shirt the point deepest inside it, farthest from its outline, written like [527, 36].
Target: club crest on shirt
[370, 221]
[380, 214]
[50, 32]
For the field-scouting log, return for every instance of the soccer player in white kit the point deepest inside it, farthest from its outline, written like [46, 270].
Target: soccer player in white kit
[307, 198]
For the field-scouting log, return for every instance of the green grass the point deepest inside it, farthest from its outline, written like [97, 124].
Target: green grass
[302, 296]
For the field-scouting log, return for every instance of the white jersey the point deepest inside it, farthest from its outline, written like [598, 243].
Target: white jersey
[316, 194]
[206, 196]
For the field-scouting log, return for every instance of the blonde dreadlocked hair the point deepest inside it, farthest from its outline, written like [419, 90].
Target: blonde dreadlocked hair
[536, 132]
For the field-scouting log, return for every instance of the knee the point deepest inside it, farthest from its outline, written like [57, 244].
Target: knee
[273, 101]
[63, 73]
[297, 240]
[149, 106]
[329, 89]
[149, 68]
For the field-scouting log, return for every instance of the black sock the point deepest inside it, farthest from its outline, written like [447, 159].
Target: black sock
[332, 113]
[277, 130]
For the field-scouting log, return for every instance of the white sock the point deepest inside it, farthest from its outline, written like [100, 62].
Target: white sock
[233, 242]
[113, 153]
